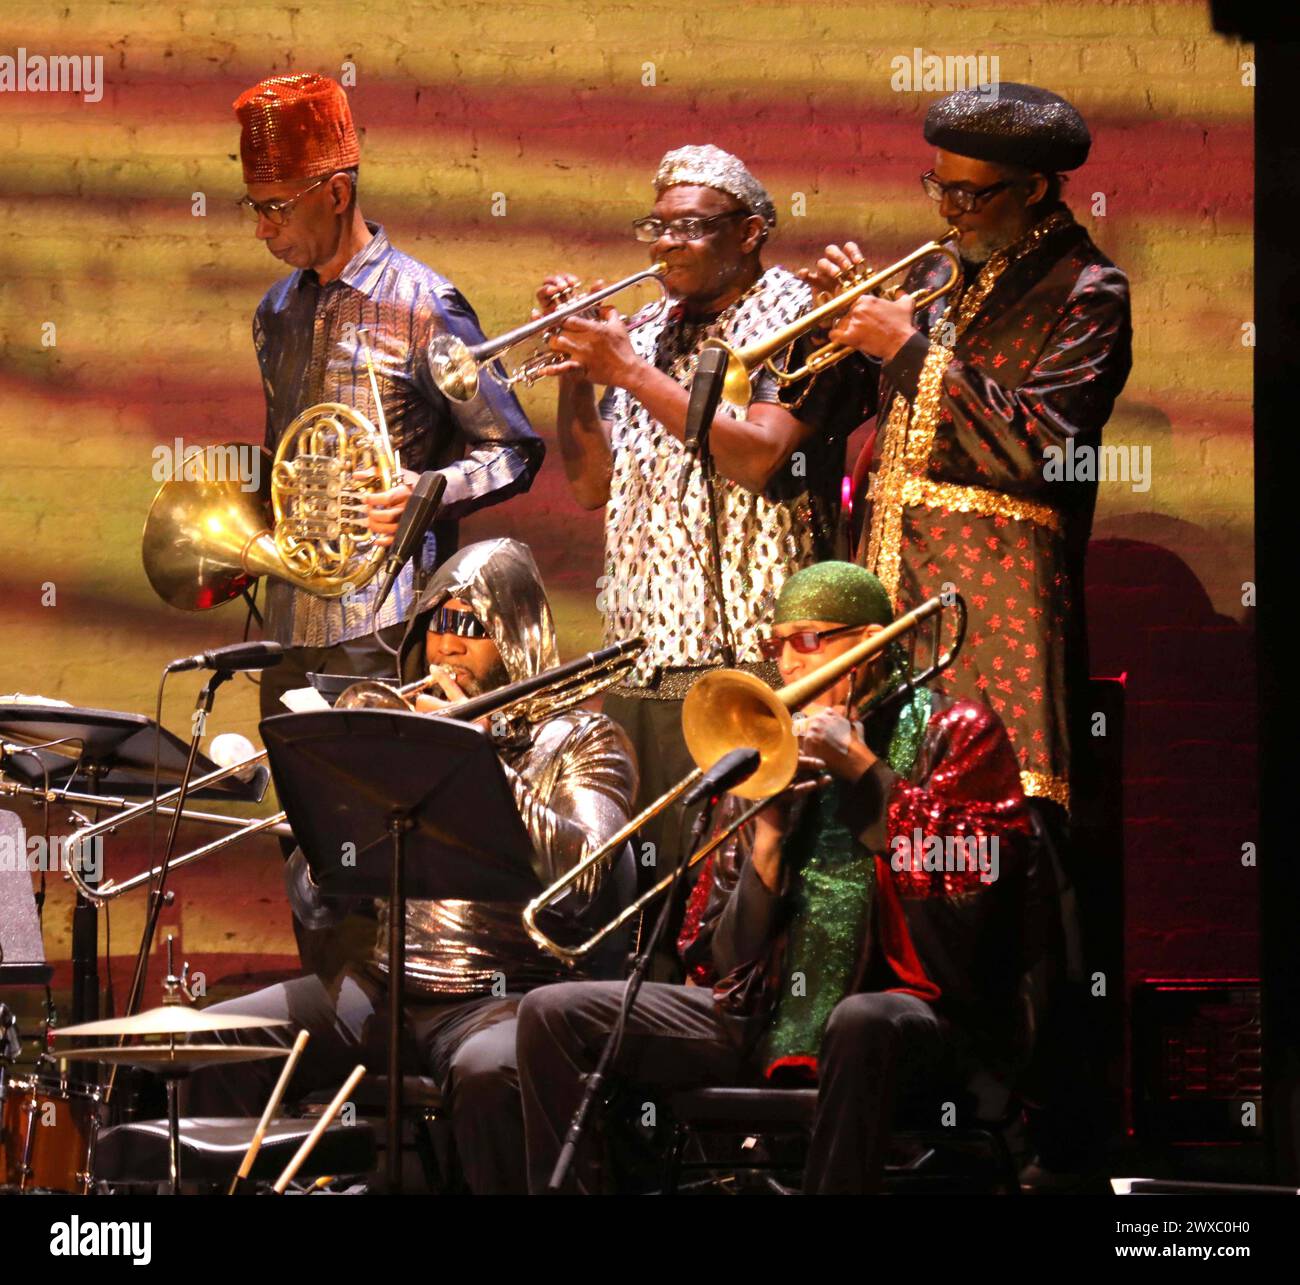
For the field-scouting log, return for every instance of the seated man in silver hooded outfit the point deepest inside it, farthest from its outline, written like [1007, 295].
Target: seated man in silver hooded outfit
[483, 621]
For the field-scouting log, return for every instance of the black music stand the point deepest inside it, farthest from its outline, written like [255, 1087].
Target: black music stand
[365, 791]
[118, 753]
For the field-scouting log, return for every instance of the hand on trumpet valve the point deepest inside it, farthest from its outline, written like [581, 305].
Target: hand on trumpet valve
[875, 325]
[597, 346]
[835, 270]
[558, 289]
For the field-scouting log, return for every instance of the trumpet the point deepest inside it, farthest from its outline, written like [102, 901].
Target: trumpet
[742, 362]
[542, 696]
[457, 367]
[726, 710]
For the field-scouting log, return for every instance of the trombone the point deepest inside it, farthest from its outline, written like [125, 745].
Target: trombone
[726, 710]
[742, 362]
[542, 696]
[457, 367]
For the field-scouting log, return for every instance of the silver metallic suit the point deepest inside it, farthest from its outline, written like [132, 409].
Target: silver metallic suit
[468, 963]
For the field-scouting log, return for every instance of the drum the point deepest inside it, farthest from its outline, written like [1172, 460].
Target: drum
[47, 1135]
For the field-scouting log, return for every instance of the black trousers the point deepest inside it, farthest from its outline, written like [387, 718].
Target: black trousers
[674, 1040]
[466, 1045]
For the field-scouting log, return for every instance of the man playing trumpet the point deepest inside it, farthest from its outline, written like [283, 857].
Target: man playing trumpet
[987, 403]
[778, 472]
[909, 959]
[483, 622]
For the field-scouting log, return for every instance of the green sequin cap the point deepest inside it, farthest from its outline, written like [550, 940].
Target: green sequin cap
[839, 592]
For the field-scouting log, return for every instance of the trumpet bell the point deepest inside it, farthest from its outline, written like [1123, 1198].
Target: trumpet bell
[454, 368]
[736, 387]
[205, 542]
[728, 709]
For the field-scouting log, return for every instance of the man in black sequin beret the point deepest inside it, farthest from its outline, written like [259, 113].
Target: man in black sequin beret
[990, 406]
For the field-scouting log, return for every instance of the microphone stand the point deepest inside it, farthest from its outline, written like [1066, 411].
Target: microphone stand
[157, 893]
[596, 1080]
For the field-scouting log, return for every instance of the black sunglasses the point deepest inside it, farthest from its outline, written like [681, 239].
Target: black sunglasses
[464, 624]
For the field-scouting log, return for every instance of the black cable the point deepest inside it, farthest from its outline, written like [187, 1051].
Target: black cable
[249, 616]
[157, 768]
[713, 579]
[394, 652]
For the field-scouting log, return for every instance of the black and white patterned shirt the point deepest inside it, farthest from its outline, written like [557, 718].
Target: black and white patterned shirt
[656, 549]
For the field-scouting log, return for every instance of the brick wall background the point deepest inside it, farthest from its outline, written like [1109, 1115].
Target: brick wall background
[564, 109]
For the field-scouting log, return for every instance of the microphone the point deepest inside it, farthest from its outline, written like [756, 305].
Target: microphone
[245, 655]
[706, 392]
[730, 769]
[417, 518]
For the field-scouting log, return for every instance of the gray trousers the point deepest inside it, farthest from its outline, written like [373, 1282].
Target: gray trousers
[466, 1045]
[874, 1043]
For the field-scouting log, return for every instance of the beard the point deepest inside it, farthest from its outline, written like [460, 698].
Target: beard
[496, 676]
[980, 249]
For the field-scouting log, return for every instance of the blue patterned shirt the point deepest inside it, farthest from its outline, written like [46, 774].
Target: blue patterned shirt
[310, 348]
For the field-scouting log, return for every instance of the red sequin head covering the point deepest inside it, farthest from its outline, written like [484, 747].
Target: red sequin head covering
[295, 127]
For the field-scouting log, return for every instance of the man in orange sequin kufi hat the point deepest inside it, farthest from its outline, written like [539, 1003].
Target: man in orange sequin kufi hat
[351, 297]
[295, 127]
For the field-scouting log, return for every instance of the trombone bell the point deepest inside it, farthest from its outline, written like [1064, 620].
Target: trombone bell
[730, 708]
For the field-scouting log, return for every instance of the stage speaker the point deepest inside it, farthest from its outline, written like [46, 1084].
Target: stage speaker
[1197, 1062]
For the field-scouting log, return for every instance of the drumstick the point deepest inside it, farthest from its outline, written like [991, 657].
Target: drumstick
[271, 1107]
[310, 1141]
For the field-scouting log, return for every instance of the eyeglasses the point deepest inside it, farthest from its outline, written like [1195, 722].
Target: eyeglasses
[277, 212]
[464, 624]
[804, 641]
[963, 198]
[690, 228]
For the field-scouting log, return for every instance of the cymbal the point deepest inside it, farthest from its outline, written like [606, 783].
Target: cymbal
[181, 1056]
[171, 1019]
